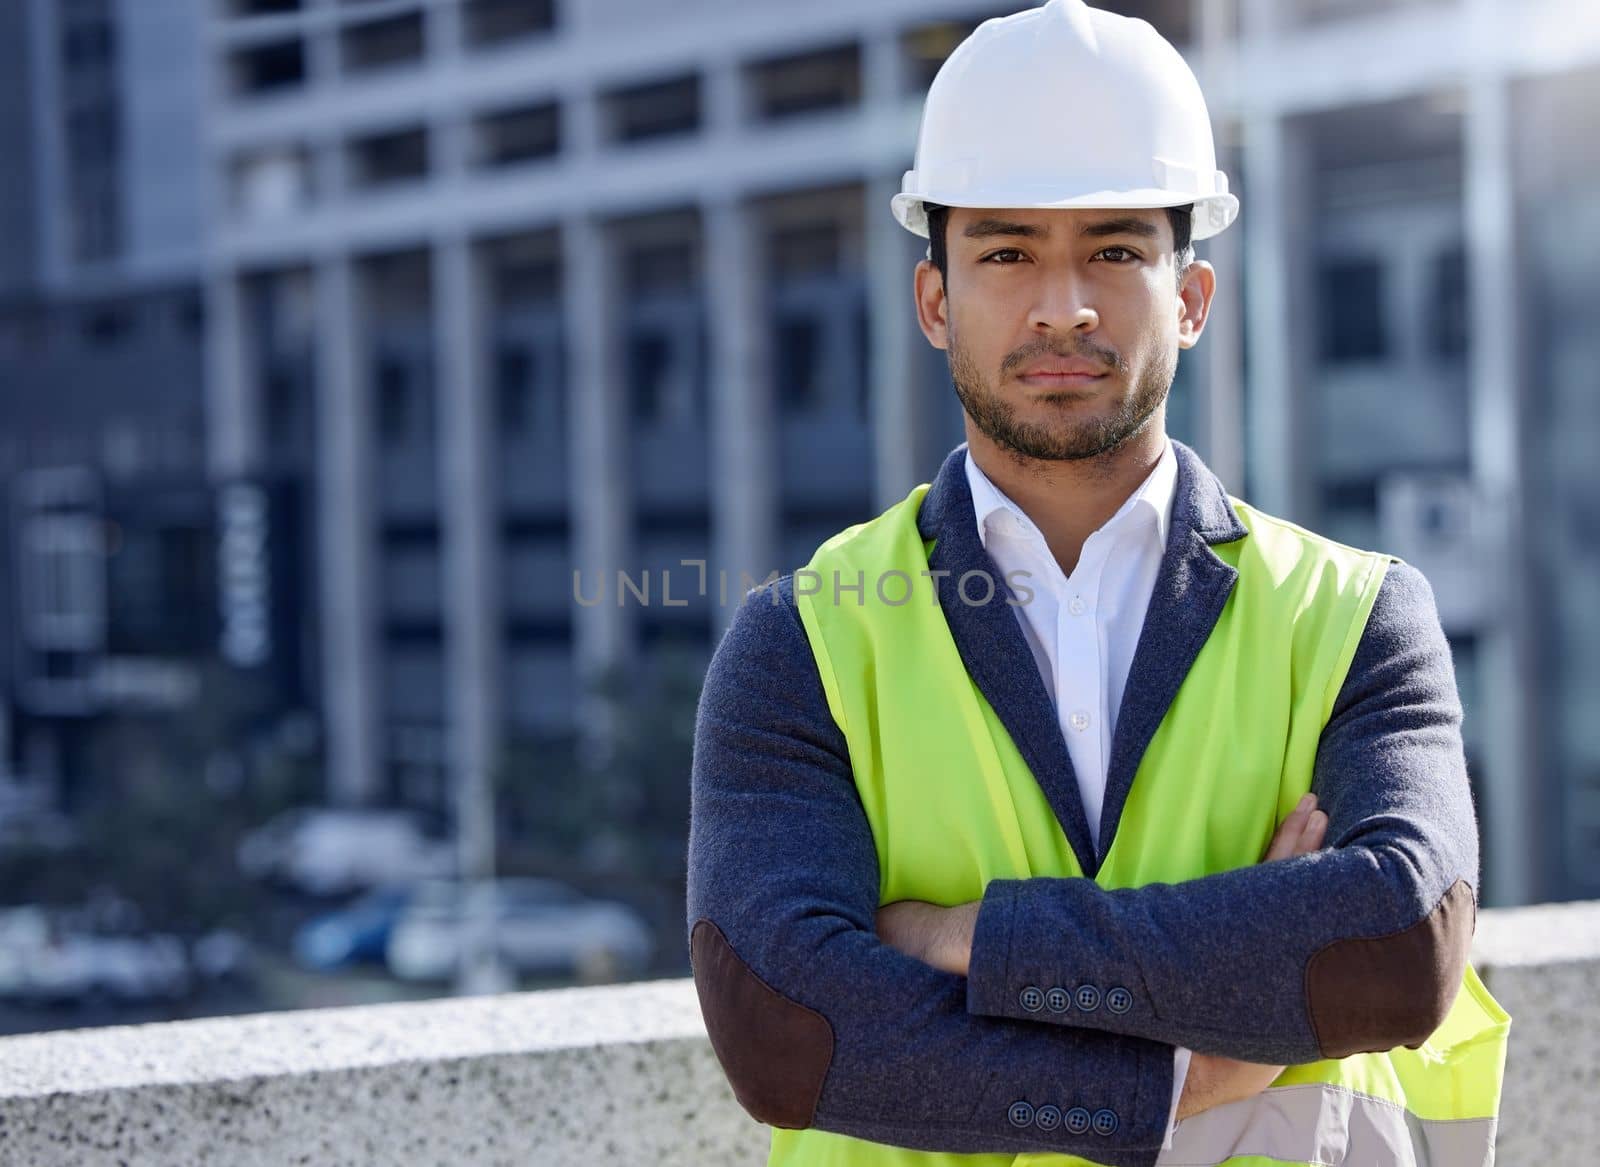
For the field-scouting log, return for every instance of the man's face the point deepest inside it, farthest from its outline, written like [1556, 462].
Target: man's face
[1063, 326]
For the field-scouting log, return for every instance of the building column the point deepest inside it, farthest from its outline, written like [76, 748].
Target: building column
[602, 502]
[903, 429]
[744, 455]
[1512, 873]
[472, 612]
[346, 540]
[1222, 348]
[1278, 330]
[1278, 333]
[233, 398]
[903, 416]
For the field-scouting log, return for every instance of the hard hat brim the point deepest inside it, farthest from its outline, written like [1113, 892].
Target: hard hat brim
[1212, 213]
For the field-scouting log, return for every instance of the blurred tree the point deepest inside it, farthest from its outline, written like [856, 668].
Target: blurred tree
[617, 827]
[172, 796]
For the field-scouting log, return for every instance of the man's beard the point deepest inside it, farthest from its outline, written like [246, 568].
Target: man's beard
[1066, 438]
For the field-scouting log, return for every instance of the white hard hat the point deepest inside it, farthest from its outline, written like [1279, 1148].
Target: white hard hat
[1066, 106]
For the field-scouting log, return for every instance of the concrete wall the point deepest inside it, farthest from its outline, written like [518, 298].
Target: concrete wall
[620, 1074]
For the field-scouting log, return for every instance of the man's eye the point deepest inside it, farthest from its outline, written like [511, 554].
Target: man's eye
[1125, 255]
[998, 254]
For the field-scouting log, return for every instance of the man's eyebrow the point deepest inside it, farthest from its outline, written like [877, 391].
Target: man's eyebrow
[1122, 226]
[986, 227]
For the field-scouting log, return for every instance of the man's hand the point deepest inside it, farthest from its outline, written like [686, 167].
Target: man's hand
[1213, 1081]
[934, 935]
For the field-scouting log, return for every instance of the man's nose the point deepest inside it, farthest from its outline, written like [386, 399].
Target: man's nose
[1063, 305]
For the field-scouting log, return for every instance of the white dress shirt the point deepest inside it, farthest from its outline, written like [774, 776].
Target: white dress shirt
[1083, 628]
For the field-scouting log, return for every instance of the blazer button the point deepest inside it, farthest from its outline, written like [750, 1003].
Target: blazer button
[1047, 1118]
[1020, 1114]
[1078, 1120]
[1031, 998]
[1058, 1000]
[1119, 1000]
[1105, 1122]
[1088, 998]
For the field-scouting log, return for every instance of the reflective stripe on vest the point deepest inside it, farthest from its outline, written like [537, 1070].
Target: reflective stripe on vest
[953, 805]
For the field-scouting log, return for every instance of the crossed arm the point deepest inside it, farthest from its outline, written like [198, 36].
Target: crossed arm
[821, 1023]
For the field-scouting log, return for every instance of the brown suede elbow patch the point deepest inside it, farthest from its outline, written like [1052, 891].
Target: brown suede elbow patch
[1365, 996]
[775, 1051]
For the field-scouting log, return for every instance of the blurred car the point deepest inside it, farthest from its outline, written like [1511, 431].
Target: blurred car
[45, 961]
[221, 954]
[330, 852]
[540, 925]
[356, 932]
[138, 968]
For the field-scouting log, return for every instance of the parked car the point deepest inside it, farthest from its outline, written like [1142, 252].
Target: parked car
[540, 925]
[334, 851]
[357, 932]
[44, 959]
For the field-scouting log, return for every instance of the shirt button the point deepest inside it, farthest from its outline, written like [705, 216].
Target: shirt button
[1075, 606]
[1105, 1122]
[1031, 998]
[1058, 1000]
[1088, 998]
[1020, 1114]
[1119, 1000]
[1047, 1118]
[1079, 721]
[1078, 1120]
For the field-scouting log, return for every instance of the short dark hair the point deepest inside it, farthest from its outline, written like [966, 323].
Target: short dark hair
[1181, 218]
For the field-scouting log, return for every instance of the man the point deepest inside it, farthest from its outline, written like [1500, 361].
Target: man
[1009, 808]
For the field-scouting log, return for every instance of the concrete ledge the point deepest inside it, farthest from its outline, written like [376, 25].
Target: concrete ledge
[624, 1071]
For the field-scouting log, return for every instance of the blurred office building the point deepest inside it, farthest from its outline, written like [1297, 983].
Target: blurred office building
[502, 296]
[106, 562]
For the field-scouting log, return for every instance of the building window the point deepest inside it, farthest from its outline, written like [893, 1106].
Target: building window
[269, 68]
[88, 44]
[1351, 311]
[393, 157]
[657, 110]
[63, 586]
[807, 83]
[263, 7]
[1450, 306]
[189, 309]
[660, 267]
[862, 346]
[108, 324]
[92, 130]
[519, 135]
[397, 400]
[515, 383]
[808, 249]
[649, 357]
[797, 355]
[492, 22]
[382, 44]
[925, 48]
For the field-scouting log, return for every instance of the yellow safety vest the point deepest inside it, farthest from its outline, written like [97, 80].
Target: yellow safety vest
[953, 805]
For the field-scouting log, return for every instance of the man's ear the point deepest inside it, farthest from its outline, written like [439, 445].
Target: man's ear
[1194, 302]
[928, 288]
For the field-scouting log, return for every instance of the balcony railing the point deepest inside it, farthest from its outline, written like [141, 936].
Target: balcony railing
[625, 1072]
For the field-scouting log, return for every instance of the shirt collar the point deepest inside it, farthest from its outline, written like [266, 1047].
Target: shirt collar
[1152, 498]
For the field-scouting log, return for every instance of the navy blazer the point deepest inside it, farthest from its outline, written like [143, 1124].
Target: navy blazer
[1359, 946]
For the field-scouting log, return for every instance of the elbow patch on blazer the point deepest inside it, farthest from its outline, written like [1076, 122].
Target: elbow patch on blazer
[775, 1052]
[1365, 996]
